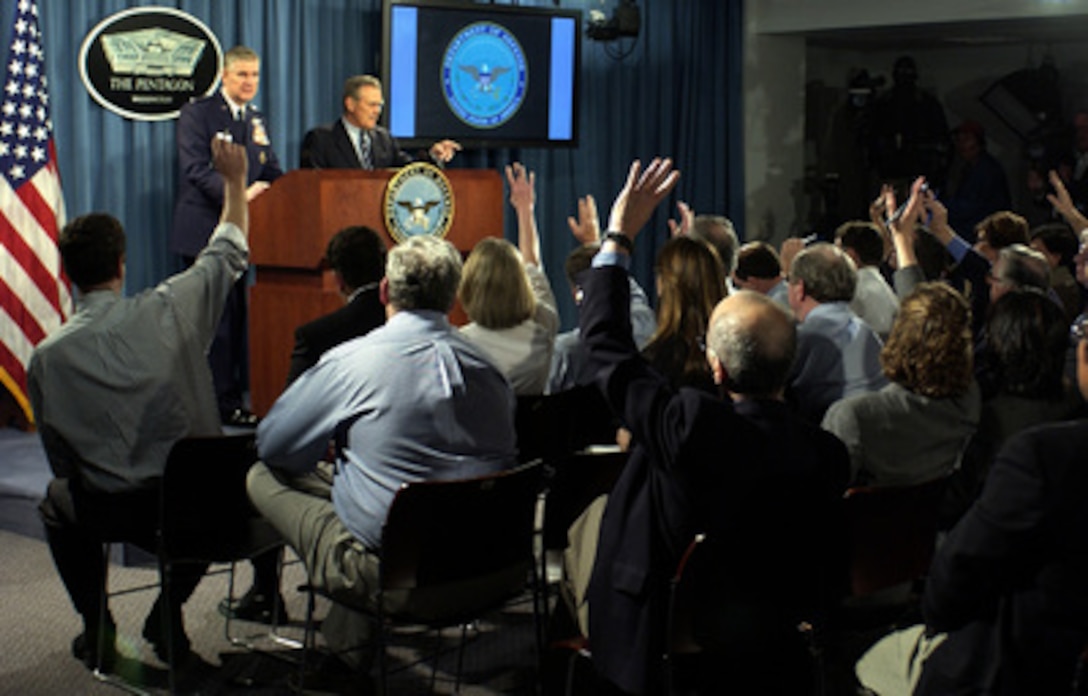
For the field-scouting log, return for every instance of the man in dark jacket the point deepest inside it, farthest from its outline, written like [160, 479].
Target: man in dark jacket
[759, 482]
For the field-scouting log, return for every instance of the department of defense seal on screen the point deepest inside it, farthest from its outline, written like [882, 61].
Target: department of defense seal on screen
[418, 200]
[484, 75]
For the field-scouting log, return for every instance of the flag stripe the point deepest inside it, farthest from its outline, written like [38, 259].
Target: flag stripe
[20, 298]
[15, 344]
[29, 240]
[34, 295]
[17, 257]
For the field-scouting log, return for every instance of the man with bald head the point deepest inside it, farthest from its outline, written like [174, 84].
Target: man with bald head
[760, 483]
[750, 346]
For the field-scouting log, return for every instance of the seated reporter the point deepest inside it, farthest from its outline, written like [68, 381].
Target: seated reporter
[356, 256]
[412, 400]
[1005, 607]
[114, 389]
[507, 296]
[916, 427]
[744, 470]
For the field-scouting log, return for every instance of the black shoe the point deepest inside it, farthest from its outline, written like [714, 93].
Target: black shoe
[255, 606]
[240, 418]
[155, 634]
[85, 649]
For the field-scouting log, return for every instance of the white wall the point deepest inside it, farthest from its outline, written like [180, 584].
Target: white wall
[773, 133]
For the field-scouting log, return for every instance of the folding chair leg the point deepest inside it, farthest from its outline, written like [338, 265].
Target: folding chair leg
[309, 636]
[230, 601]
[103, 612]
[434, 659]
[460, 659]
[273, 634]
[165, 601]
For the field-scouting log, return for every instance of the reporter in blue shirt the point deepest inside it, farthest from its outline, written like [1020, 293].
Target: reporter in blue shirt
[414, 401]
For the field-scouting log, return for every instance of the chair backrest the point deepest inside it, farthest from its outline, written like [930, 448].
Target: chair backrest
[683, 603]
[571, 484]
[892, 532]
[445, 534]
[204, 510]
[551, 426]
[715, 636]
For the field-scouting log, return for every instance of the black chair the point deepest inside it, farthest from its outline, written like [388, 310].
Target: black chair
[451, 552]
[551, 426]
[892, 534]
[720, 639]
[571, 483]
[205, 517]
[680, 632]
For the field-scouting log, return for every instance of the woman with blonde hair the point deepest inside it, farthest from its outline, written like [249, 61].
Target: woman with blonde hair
[916, 428]
[690, 281]
[507, 297]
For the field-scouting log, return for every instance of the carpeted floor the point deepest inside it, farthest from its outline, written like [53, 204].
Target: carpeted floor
[37, 622]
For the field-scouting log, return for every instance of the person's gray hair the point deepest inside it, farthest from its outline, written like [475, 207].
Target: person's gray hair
[756, 344]
[828, 273]
[1021, 266]
[353, 84]
[718, 231]
[239, 53]
[423, 272]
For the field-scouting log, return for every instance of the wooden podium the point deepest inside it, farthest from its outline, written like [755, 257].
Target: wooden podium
[290, 226]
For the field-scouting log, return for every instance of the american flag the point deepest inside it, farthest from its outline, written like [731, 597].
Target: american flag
[34, 296]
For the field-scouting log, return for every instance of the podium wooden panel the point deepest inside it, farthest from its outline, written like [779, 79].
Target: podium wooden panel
[290, 226]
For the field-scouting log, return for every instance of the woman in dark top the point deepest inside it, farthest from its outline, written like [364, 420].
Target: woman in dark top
[1025, 354]
[690, 283]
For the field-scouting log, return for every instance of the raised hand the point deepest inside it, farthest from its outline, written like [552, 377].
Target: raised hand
[877, 209]
[229, 159]
[687, 220]
[523, 197]
[902, 230]
[641, 194]
[1063, 203]
[587, 228]
[522, 186]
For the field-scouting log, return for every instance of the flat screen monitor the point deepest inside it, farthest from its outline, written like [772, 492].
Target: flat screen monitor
[484, 75]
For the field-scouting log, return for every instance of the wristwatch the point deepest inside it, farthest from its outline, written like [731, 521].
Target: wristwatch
[621, 239]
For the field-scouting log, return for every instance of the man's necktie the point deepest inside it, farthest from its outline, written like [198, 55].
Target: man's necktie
[238, 126]
[364, 150]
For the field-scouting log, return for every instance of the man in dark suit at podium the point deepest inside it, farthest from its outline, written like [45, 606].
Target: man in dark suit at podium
[200, 198]
[356, 141]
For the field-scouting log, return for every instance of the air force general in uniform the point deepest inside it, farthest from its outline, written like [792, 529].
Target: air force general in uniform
[200, 198]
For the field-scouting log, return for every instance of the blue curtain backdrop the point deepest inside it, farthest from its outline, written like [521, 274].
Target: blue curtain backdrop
[676, 93]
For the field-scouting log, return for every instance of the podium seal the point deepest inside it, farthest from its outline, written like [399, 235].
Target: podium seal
[418, 200]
